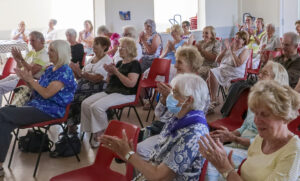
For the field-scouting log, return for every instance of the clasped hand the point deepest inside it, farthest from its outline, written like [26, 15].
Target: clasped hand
[111, 68]
[24, 74]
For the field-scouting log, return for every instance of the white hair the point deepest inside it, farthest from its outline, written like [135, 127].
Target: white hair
[71, 32]
[192, 85]
[293, 36]
[131, 30]
[102, 29]
[63, 50]
[280, 74]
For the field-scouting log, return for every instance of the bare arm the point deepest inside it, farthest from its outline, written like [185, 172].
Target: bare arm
[191, 39]
[151, 49]
[130, 80]
[167, 49]
[239, 60]
[95, 78]
[221, 55]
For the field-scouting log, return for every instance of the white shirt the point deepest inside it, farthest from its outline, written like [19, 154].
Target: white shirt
[52, 35]
[16, 31]
[97, 68]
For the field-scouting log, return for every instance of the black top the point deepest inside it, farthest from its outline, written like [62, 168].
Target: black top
[77, 52]
[116, 86]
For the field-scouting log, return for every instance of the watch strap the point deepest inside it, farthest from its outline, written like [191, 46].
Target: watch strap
[128, 155]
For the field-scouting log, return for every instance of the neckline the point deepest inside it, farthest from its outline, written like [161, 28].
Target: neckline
[267, 154]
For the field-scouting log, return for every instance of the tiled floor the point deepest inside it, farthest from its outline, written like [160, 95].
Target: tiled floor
[23, 163]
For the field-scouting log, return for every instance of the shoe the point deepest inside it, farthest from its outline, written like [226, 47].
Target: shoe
[1, 172]
[94, 142]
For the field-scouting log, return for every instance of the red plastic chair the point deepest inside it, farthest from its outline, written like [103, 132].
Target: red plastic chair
[118, 109]
[100, 170]
[219, 38]
[294, 126]
[45, 125]
[83, 60]
[239, 169]
[235, 118]
[8, 68]
[203, 171]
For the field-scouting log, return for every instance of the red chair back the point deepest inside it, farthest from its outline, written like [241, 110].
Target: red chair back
[294, 126]
[159, 67]
[9, 67]
[83, 60]
[104, 156]
[219, 38]
[239, 169]
[203, 171]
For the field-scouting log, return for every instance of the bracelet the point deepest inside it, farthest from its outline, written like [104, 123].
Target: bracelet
[226, 174]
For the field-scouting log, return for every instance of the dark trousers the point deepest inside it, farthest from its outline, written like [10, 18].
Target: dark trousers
[14, 117]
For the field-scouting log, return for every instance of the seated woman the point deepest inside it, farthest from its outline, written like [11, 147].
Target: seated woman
[77, 50]
[233, 60]
[274, 153]
[114, 39]
[256, 35]
[171, 47]
[151, 44]
[86, 37]
[188, 60]
[53, 92]
[91, 79]
[130, 32]
[122, 86]
[175, 157]
[242, 137]
[209, 48]
[187, 35]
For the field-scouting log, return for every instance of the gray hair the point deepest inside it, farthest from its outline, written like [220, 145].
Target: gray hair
[63, 50]
[102, 29]
[192, 85]
[38, 35]
[131, 31]
[271, 26]
[151, 23]
[293, 36]
[71, 32]
[54, 21]
[279, 72]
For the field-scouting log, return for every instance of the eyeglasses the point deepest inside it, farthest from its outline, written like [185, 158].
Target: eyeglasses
[126, 34]
[121, 48]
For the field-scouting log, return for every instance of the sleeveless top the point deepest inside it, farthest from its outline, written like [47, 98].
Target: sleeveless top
[149, 42]
[171, 54]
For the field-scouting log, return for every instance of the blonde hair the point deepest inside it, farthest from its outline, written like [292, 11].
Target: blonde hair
[212, 31]
[63, 50]
[177, 28]
[192, 57]
[279, 73]
[130, 46]
[282, 101]
[243, 35]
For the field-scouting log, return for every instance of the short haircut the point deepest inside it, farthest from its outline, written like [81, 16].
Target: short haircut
[54, 21]
[272, 26]
[192, 57]
[130, 46]
[189, 84]
[103, 41]
[262, 22]
[151, 23]
[282, 101]
[280, 74]
[187, 23]
[63, 50]
[38, 35]
[243, 35]
[131, 31]
[102, 29]
[212, 31]
[294, 37]
[297, 22]
[177, 28]
[71, 32]
[90, 23]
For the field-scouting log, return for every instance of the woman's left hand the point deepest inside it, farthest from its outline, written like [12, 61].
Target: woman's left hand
[24, 74]
[120, 146]
[215, 153]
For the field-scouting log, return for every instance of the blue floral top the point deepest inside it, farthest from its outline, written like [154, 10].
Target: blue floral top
[55, 106]
[179, 151]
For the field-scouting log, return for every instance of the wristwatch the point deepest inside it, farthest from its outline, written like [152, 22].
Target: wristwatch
[128, 155]
[225, 174]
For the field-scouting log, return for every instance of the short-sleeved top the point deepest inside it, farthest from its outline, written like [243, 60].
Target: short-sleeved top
[16, 31]
[180, 152]
[213, 47]
[116, 86]
[292, 65]
[97, 68]
[252, 43]
[41, 58]
[271, 43]
[114, 40]
[77, 52]
[55, 106]
[281, 165]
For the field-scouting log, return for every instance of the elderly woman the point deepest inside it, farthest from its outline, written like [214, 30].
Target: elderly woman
[209, 48]
[114, 39]
[130, 32]
[256, 35]
[188, 60]
[274, 153]
[175, 157]
[122, 86]
[86, 37]
[77, 50]
[242, 137]
[232, 61]
[171, 47]
[187, 35]
[151, 44]
[50, 34]
[91, 79]
[53, 92]
[20, 33]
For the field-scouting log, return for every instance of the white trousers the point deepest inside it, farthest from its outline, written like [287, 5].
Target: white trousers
[8, 84]
[93, 110]
[146, 147]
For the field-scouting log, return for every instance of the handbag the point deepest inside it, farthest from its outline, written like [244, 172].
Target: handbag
[63, 148]
[22, 94]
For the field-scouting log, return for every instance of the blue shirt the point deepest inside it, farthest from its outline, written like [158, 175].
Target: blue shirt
[55, 106]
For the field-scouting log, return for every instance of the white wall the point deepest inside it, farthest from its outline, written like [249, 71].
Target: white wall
[290, 14]
[140, 11]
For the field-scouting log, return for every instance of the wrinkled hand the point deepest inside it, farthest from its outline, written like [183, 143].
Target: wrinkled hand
[121, 146]
[111, 68]
[215, 153]
[16, 53]
[24, 74]
[164, 89]
[223, 134]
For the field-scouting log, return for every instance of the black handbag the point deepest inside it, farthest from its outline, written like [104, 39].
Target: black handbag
[63, 148]
[32, 141]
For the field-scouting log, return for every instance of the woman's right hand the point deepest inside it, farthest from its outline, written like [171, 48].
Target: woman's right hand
[164, 89]
[223, 134]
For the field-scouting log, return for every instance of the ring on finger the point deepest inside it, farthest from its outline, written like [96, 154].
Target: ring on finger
[207, 152]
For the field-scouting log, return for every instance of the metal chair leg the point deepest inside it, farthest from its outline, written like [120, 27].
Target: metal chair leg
[40, 152]
[13, 149]
[137, 115]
